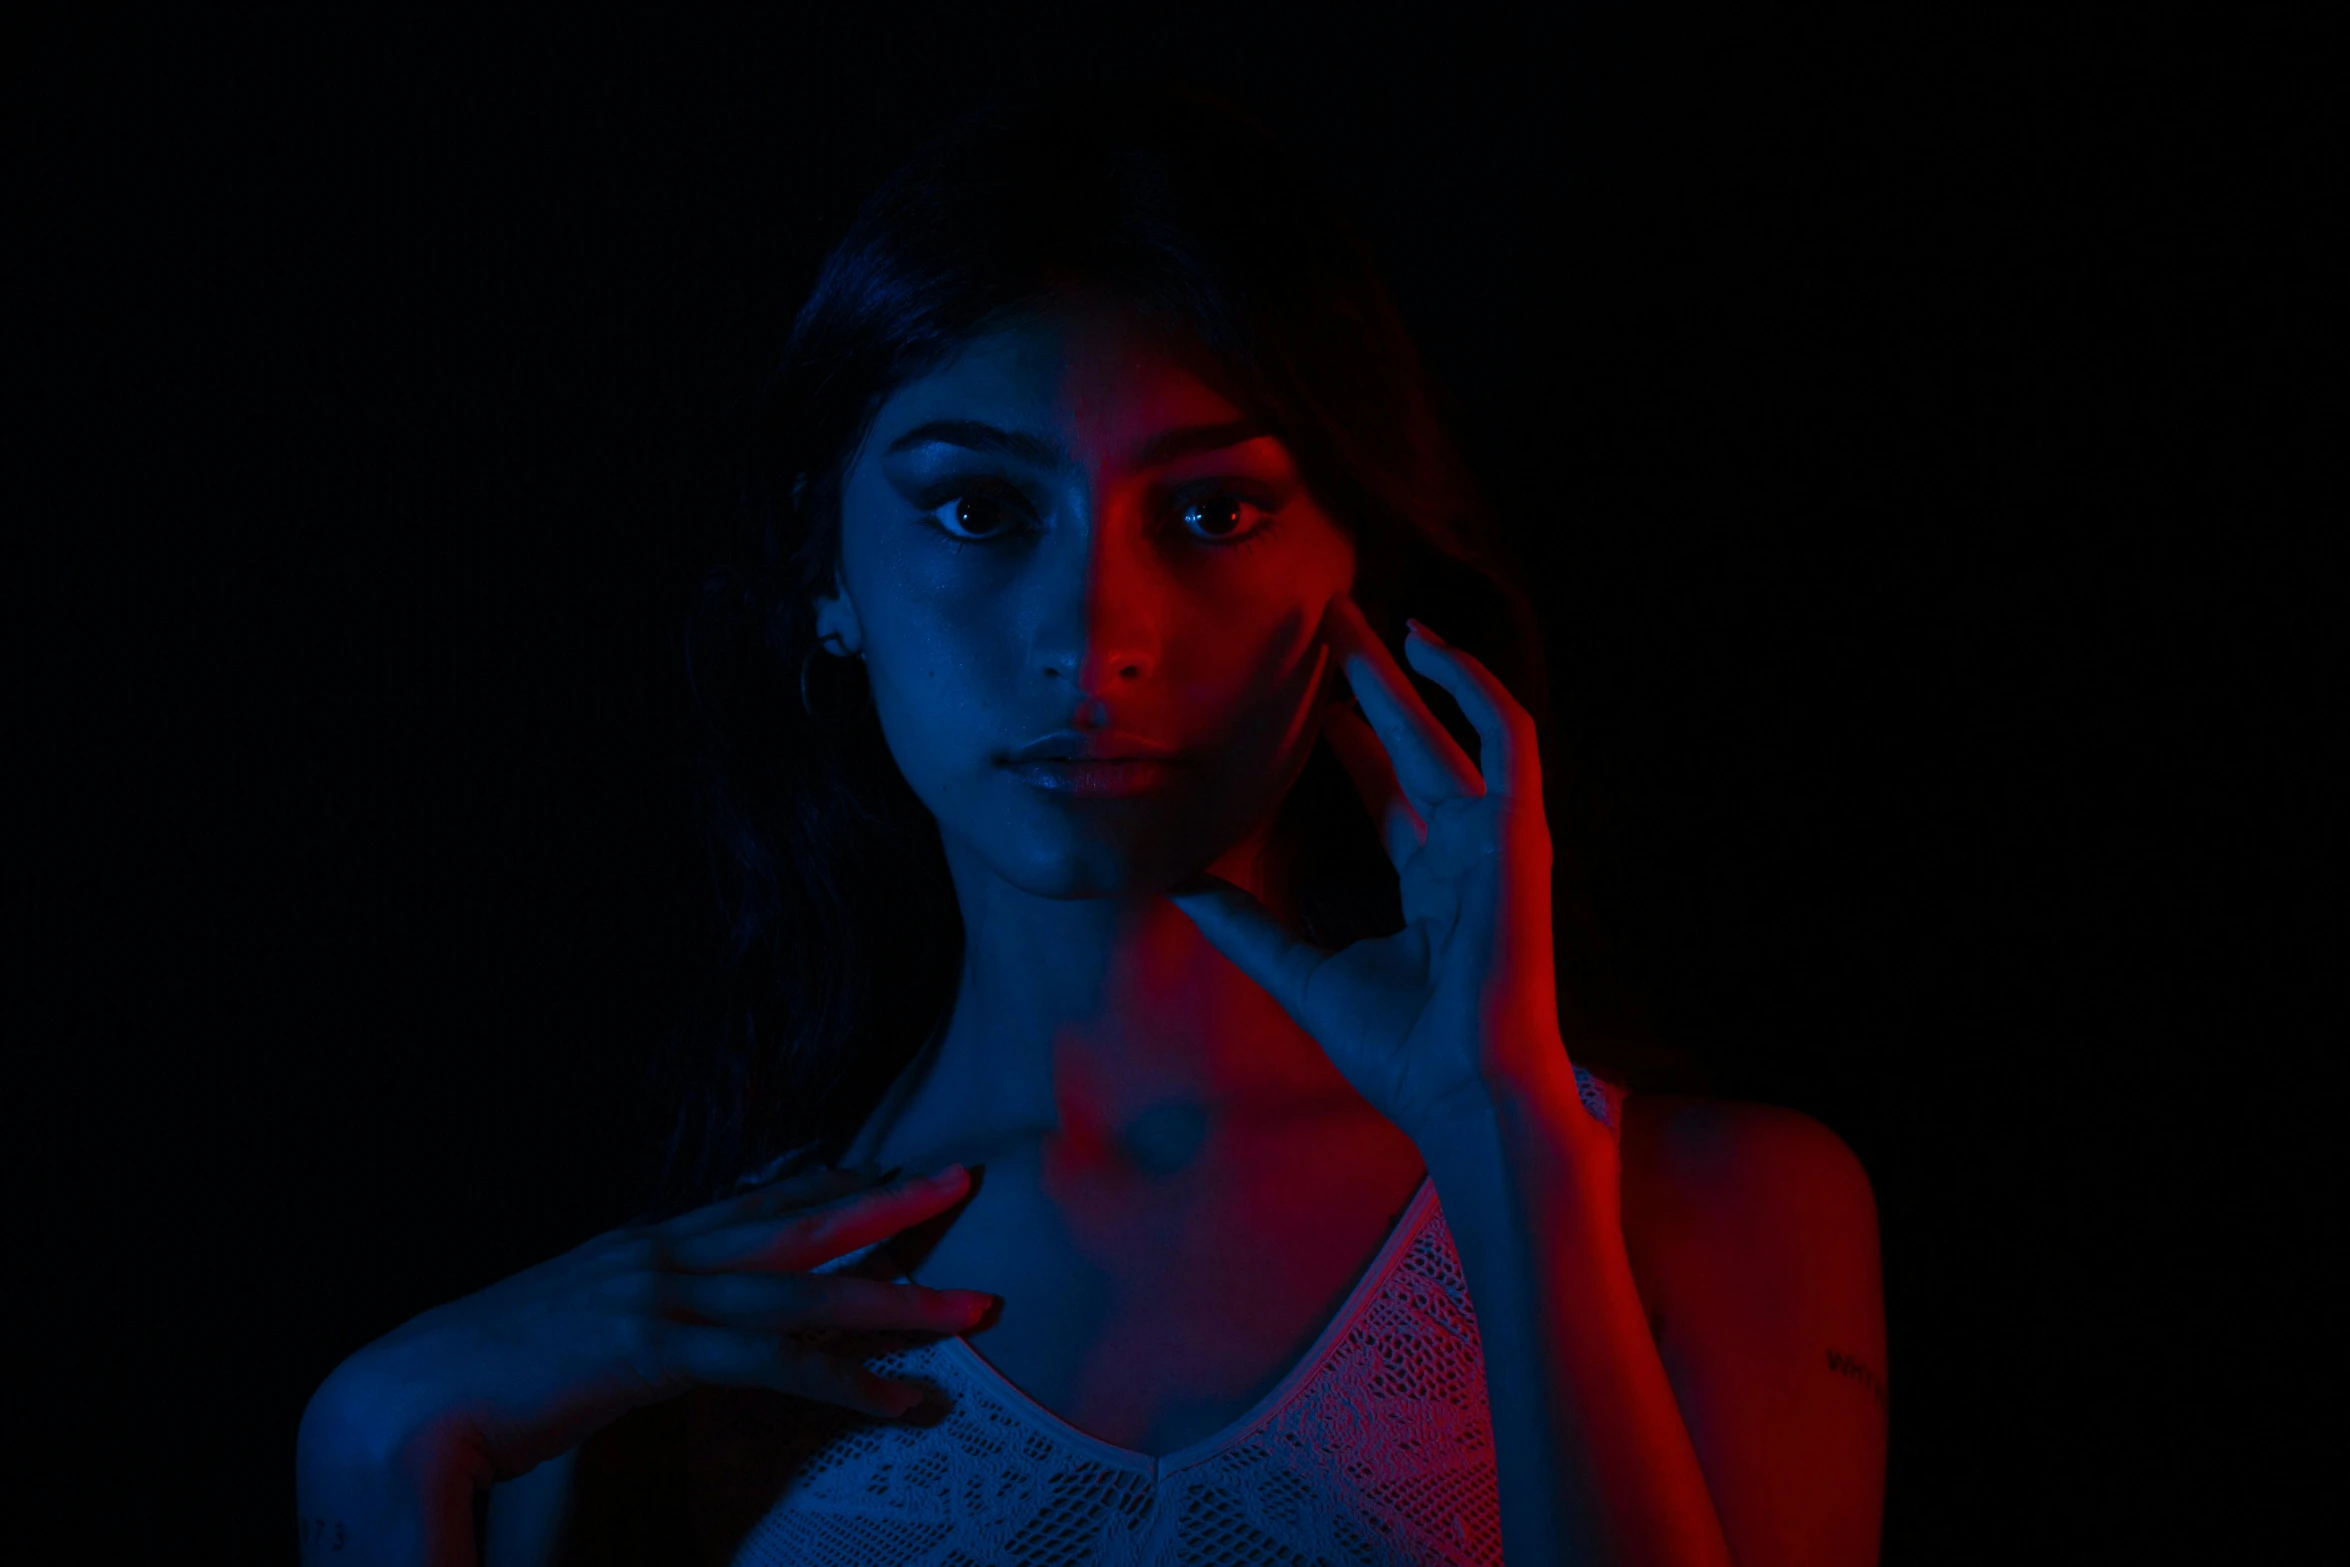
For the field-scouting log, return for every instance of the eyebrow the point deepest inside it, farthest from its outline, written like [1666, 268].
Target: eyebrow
[1199, 438]
[972, 435]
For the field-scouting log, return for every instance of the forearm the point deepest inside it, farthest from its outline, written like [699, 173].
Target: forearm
[1595, 1463]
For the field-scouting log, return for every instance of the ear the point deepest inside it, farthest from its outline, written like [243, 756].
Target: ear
[837, 612]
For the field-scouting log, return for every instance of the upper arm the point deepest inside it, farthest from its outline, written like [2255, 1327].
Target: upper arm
[1753, 1238]
[527, 1515]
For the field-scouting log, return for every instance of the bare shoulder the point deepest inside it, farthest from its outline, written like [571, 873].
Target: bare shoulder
[1720, 1192]
[1714, 1151]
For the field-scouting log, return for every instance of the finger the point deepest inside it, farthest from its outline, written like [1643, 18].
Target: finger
[1366, 762]
[728, 1357]
[1505, 730]
[796, 1242]
[1428, 762]
[801, 1191]
[1260, 946]
[809, 1302]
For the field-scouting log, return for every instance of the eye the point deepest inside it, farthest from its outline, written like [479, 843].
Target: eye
[978, 516]
[1221, 518]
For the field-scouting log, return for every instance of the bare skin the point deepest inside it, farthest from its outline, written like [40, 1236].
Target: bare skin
[401, 1439]
[1174, 1188]
[1150, 1306]
[1160, 1146]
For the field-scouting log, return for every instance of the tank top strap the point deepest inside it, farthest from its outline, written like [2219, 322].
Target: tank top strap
[1604, 1099]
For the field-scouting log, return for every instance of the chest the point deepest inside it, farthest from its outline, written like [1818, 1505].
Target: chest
[1152, 1311]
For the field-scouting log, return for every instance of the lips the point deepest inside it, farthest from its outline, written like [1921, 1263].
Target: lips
[1092, 745]
[1096, 778]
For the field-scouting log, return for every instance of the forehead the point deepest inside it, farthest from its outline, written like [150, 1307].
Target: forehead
[1087, 375]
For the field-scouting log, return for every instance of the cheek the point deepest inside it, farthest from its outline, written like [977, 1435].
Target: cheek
[1266, 692]
[933, 685]
[922, 645]
[1269, 658]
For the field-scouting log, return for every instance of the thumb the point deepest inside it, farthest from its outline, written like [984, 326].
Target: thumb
[1245, 931]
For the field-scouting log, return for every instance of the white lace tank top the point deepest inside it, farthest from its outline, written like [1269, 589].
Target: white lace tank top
[1376, 1448]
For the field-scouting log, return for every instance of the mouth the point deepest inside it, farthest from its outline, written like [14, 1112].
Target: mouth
[1098, 778]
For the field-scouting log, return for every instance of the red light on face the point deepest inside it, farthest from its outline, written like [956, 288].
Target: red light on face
[1095, 780]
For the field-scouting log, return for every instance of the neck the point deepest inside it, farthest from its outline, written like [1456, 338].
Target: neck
[1079, 1020]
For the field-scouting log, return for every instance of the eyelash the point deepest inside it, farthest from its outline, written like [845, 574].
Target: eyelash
[1267, 519]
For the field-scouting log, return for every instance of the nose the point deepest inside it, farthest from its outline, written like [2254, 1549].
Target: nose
[1097, 666]
[1103, 639]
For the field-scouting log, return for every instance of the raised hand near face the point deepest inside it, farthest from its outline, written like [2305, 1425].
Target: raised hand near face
[1430, 1024]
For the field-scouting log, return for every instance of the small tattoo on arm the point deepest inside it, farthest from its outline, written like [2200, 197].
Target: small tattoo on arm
[1858, 1370]
[318, 1534]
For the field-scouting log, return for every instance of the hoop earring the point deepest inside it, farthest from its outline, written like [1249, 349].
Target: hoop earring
[833, 637]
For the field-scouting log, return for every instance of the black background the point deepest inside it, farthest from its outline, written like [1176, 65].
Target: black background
[1907, 418]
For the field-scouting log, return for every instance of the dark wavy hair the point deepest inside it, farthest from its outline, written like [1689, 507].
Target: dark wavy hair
[840, 940]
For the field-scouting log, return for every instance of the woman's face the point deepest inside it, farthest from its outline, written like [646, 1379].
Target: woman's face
[1064, 529]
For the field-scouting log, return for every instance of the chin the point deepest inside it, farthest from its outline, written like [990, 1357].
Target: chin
[1079, 871]
[1087, 880]
[1133, 849]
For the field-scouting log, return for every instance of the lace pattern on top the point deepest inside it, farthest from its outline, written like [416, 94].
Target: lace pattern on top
[1377, 1448]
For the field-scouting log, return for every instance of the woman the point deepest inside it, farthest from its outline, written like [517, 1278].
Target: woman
[1089, 850]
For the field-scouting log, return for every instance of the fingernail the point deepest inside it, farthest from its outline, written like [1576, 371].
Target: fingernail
[1424, 631]
[946, 1177]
